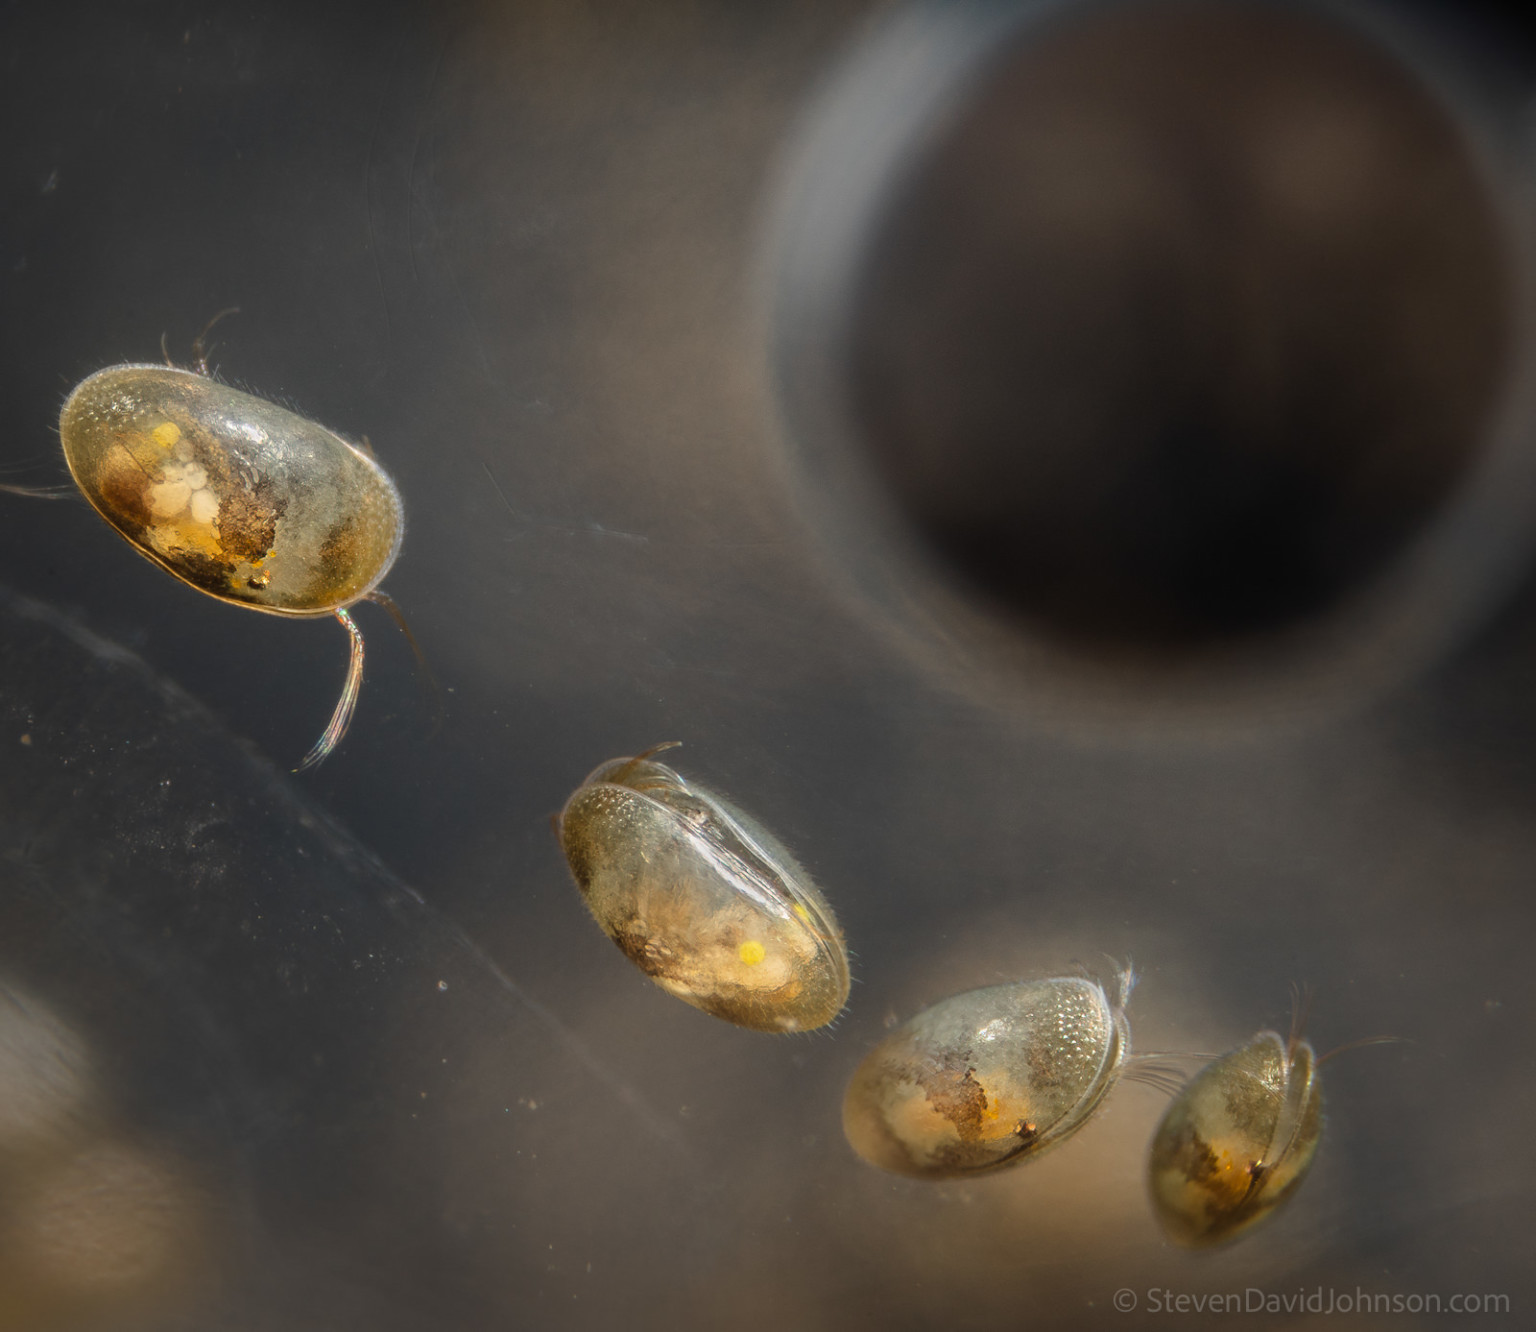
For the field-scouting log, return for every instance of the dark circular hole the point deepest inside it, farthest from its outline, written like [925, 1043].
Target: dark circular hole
[1182, 325]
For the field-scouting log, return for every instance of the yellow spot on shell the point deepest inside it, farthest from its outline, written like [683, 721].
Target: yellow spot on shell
[165, 434]
[752, 952]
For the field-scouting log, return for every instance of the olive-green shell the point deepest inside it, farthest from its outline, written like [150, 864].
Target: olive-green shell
[235, 495]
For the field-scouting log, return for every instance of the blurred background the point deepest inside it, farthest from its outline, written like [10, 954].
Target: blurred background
[1067, 468]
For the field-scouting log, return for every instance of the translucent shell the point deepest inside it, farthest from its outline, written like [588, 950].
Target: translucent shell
[706, 904]
[238, 498]
[232, 494]
[1237, 1141]
[987, 1078]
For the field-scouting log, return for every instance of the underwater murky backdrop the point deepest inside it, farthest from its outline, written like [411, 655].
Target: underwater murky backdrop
[346, 1051]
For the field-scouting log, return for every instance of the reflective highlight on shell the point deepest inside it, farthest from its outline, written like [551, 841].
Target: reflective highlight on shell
[708, 905]
[1237, 1141]
[987, 1078]
[237, 497]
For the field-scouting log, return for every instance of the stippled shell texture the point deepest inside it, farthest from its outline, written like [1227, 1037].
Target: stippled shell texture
[987, 1078]
[232, 494]
[1237, 1141]
[709, 906]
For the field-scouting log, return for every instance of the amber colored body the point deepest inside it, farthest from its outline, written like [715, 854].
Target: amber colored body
[710, 907]
[238, 497]
[1237, 1141]
[987, 1078]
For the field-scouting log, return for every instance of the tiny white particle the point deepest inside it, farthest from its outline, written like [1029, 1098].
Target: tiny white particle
[205, 506]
